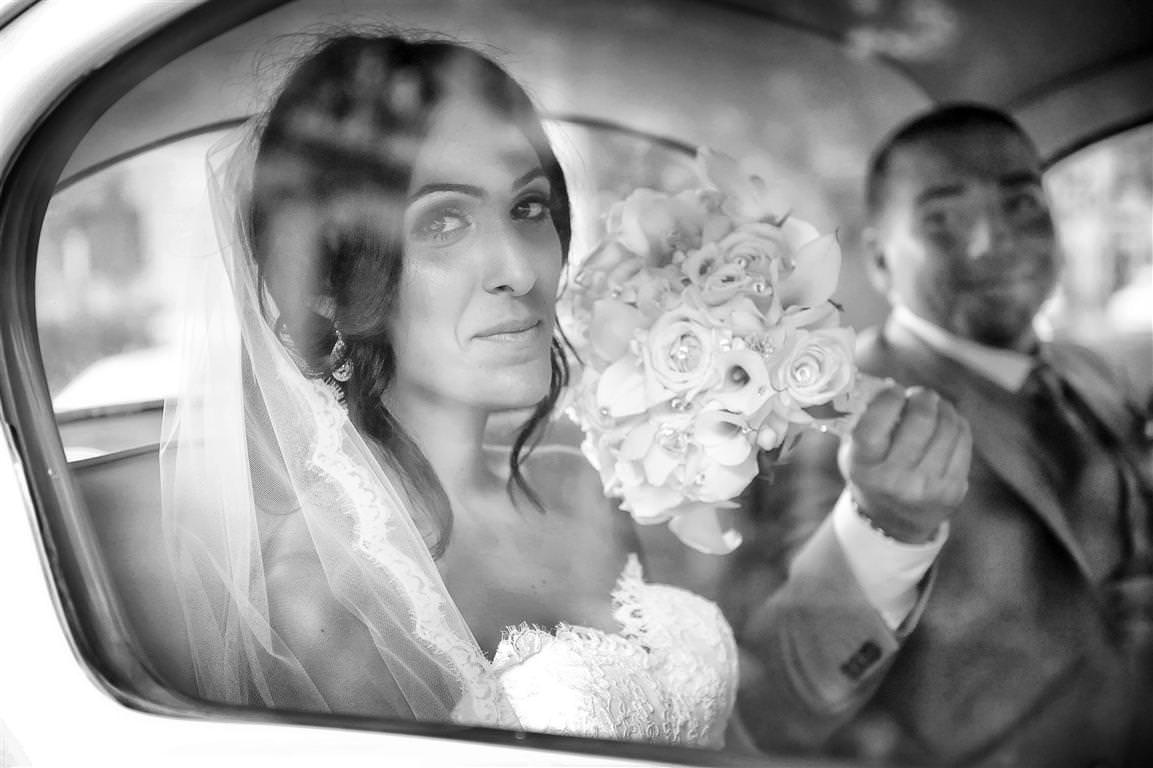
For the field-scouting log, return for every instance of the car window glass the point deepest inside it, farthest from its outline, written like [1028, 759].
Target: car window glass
[1103, 205]
[132, 212]
[113, 249]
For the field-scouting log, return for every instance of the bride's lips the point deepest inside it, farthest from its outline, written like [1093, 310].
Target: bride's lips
[517, 329]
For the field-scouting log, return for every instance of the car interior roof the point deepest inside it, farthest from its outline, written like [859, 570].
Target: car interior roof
[597, 58]
[1071, 71]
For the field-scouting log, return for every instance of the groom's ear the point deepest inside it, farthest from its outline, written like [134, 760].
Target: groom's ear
[876, 264]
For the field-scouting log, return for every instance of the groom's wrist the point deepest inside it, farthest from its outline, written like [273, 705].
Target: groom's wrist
[898, 534]
[887, 569]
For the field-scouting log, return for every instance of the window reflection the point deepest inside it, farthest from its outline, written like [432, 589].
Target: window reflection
[112, 250]
[115, 244]
[1103, 208]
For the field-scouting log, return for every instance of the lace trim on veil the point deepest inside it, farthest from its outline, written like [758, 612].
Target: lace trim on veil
[483, 701]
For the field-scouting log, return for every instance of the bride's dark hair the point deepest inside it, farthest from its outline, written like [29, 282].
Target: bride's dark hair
[329, 191]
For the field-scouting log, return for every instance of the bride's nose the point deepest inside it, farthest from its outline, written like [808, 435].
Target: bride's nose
[509, 264]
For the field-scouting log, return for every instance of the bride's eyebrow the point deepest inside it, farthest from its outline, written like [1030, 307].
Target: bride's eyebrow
[427, 189]
[472, 190]
[525, 178]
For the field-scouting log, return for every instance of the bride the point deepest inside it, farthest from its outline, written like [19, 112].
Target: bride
[393, 231]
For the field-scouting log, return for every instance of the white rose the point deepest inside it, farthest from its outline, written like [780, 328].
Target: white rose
[815, 366]
[679, 353]
[757, 246]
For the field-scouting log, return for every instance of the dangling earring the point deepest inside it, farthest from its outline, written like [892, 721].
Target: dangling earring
[343, 370]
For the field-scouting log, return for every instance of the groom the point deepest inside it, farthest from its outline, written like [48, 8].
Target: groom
[1030, 641]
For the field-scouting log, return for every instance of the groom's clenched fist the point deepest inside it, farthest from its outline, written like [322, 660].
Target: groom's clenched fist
[906, 462]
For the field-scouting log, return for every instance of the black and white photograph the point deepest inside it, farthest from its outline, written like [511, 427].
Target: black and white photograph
[576, 383]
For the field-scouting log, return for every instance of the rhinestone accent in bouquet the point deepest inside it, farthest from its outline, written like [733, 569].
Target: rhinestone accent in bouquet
[706, 332]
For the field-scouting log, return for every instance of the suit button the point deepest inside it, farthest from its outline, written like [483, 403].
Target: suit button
[865, 657]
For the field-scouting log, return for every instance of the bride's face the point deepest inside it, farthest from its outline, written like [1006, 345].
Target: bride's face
[482, 258]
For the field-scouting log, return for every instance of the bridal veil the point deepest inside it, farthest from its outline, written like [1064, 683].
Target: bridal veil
[252, 444]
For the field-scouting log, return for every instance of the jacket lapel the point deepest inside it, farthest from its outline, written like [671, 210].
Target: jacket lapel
[1000, 435]
[1103, 397]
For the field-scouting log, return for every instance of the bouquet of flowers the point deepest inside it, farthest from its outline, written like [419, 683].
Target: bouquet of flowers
[705, 328]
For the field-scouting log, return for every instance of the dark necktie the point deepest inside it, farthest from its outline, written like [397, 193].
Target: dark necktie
[1072, 432]
[1061, 427]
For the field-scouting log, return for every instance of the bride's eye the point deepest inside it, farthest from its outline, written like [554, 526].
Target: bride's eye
[441, 225]
[531, 208]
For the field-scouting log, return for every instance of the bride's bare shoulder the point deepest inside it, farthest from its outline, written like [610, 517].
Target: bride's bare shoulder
[331, 644]
[569, 485]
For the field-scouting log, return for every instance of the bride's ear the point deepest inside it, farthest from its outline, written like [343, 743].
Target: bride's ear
[876, 263]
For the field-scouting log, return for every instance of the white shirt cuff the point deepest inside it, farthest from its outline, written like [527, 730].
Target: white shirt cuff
[887, 570]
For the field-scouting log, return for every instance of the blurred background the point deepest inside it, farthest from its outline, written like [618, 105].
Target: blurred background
[799, 92]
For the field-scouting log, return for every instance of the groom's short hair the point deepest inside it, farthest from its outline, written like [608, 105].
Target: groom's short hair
[938, 123]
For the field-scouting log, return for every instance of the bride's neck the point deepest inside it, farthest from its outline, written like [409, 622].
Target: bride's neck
[451, 436]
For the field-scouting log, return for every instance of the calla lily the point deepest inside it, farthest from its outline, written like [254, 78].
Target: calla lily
[621, 389]
[637, 442]
[814, 276]
[612, 327]
[659, 446]
[607, 256]
[746, 197]
[745, 381]
[772, 433]
[723, 436]
[640, 446]
[716, 482]
[716, 226]
[815, 317]
[700, 263]
[619, 276]
[698, 526]
[659, 465]
[798, 232]
[654, 225]
[652, 290]
[649, 504]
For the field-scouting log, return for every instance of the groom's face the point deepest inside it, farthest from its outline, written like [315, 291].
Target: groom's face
[964, 237]
[482, 261]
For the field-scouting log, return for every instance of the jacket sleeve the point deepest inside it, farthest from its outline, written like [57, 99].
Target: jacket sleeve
[816, 649]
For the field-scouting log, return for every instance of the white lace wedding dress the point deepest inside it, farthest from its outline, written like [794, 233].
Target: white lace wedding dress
[669, 675]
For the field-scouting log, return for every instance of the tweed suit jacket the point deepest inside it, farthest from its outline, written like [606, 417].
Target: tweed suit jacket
[1011, 659]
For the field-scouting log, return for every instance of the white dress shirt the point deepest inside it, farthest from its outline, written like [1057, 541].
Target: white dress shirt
[888, 570]
[1006, 368]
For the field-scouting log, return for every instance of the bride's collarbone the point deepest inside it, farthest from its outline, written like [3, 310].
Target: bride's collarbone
[507, 566]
